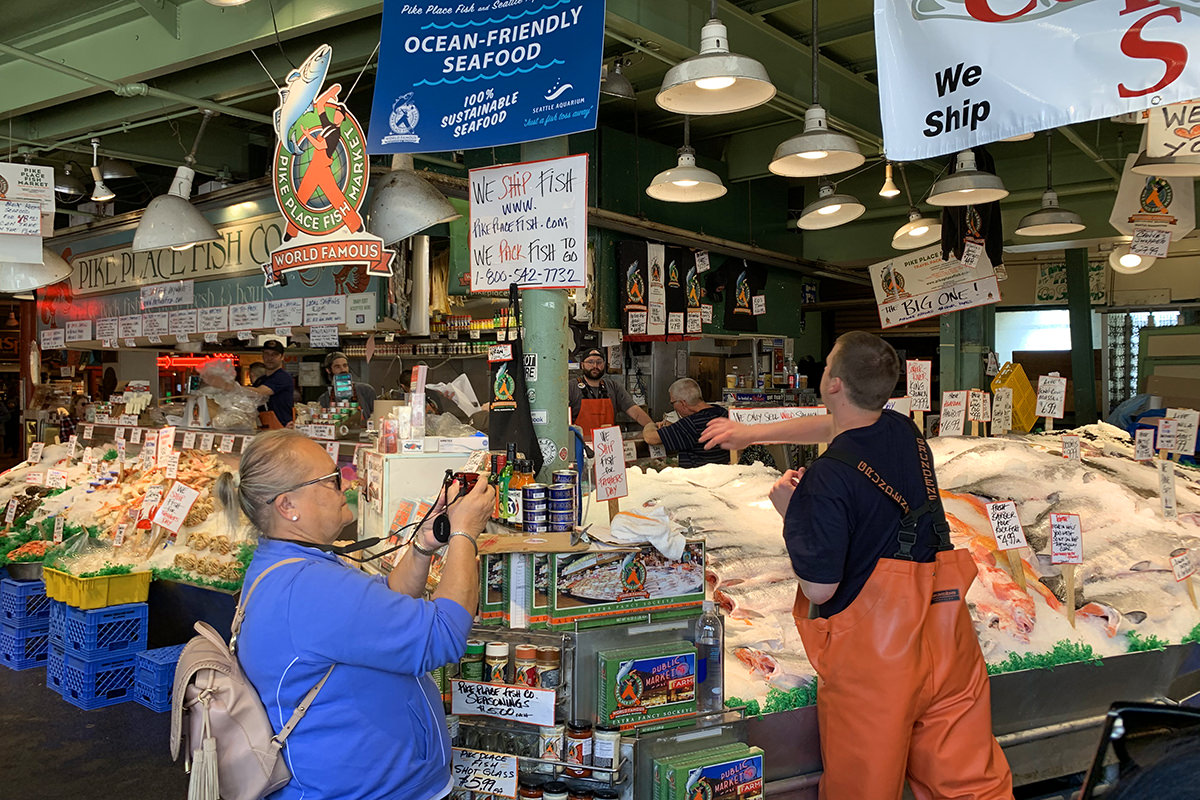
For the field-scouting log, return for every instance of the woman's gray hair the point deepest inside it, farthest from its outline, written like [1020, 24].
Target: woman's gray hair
[267, 470]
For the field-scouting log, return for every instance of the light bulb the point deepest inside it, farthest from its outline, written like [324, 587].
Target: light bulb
[833, 209]
[712, 84]
[1130, 260]
[919, 230]
[813, 154]
[686, 183]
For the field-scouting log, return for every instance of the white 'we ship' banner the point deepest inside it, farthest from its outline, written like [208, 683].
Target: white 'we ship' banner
[957, 73]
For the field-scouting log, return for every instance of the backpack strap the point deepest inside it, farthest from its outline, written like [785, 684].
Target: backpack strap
[301, 709]
[240, 614]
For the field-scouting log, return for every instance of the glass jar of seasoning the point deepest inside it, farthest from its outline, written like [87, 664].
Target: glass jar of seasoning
[472, 662]
[606, 794]
[555, 790]
[579, 794]
[525, 665]
[579, 748]
[452, 728]
[549, 661]
[550, 747]
[528, 791]
[606, 746]
[495, 662]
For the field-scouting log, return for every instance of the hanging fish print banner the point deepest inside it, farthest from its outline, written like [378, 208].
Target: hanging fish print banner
[959, 73]
[320, 179]
[457, 75]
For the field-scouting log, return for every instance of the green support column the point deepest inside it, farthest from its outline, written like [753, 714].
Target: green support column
[544, 315]
[966, 338]
[1083, 365]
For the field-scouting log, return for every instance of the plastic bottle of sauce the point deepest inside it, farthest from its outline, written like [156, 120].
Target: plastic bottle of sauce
[579, 748]
[522, 475]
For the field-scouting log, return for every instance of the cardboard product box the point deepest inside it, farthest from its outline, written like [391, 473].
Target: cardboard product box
[1175, 392]
[736, 777]
[664, 774]
[526, 590]
[603, 588]
[648, 686]
[492, 598]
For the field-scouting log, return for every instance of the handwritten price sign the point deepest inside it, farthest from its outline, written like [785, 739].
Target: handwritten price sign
[1051, 396]
[610, 464]
[1143, 445]
[919, 377]
[1066, 539]
[175, 506]
[517, 703]
[1181, 564]
[1071, 448]
[954, 414]
[484, 772]
[1006, 527]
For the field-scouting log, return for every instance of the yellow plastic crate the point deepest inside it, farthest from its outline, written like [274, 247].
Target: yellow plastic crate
[97, 592]
[1024, 397]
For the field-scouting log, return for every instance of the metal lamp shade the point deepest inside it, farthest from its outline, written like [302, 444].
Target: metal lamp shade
[1167, 166]
[817, 151]
[830, 210]
[686, 183]
[735, 82]
[172, 221]
[404, 204]
[968, 186]
[1127, 263]
[18, 277]
[919, 231]
[113, 169]
[1050, 220]
[68, 184]
[100, 192]
[615, 84]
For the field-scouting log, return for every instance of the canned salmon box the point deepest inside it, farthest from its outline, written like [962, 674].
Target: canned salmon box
[739, 776]
[614, 586]
[666, 764]
[492, 592]
[648, 687]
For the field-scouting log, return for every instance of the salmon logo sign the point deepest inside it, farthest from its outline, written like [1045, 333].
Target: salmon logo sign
[629, 690]
[320, 179]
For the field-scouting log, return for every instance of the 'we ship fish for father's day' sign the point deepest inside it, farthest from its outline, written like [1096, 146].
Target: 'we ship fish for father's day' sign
[610, 463]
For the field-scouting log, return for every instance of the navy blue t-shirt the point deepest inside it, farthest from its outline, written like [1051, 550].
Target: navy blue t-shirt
[684, 436]
[839, 524]
[283, 388]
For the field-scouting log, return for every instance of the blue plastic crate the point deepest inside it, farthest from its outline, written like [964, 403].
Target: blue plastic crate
[23, 603]
[100, 631]
[98, 682]
[54, 666]
[157, 667]
[155, 698]
[24, 648]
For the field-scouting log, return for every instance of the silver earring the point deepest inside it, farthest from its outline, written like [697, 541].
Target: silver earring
[295, 518]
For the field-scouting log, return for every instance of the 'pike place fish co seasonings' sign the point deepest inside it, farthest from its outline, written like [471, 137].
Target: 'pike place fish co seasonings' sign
[320, 179]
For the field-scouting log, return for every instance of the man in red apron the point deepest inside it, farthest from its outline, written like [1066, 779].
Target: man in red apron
[595, 398]
[903, 691]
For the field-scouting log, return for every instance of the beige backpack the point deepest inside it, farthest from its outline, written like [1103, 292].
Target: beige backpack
[234, 752]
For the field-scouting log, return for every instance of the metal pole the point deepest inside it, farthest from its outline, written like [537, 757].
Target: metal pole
[1079, 306]
[544, 316]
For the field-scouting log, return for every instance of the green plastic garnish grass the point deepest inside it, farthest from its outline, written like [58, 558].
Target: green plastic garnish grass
[1138, 644]
[109, 569]
[173, 574]
[752, 708]
[1192, 636]
[1063, 652]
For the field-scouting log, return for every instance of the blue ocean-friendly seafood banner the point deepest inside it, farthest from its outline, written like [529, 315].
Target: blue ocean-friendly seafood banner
[463, 75]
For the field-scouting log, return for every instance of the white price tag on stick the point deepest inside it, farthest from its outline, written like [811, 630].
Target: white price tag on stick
[59, 524]
[1006, 527]
[175, 506]
[1066, 539]
[1071, 448]
[1143, 444]
[1181, 564]
[1166, 488]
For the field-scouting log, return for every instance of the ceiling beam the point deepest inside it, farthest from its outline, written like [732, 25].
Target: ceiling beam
[164, 12]
[764, 7]
[832, 34]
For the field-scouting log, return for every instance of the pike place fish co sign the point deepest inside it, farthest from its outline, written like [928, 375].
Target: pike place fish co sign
[320, 179]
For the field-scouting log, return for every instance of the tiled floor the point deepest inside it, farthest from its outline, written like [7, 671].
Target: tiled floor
[51, 750]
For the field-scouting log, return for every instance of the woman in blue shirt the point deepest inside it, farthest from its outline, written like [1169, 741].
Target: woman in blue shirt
[377, 729]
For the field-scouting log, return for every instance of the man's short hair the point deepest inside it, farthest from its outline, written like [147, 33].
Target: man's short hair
[869, 369]
[686, 391]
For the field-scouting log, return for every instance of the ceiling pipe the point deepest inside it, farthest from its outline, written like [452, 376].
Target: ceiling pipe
[133, 89]
[1022, 196]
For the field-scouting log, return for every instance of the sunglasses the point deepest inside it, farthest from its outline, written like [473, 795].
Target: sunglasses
[335, 475]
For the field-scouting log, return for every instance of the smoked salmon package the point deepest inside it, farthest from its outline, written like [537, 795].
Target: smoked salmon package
[651, 687]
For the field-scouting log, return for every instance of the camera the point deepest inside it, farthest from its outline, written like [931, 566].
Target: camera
[466, 480]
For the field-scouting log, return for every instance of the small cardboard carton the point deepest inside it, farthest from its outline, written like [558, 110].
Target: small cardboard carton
[665, 767]
[492, 597]
[719, 778]
[613, 586]
[647, 686]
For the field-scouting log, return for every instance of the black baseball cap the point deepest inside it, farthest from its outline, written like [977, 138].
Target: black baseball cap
[595, 351]
[274, 345]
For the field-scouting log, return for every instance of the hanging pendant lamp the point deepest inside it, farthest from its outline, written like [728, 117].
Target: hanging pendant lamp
[171, 220]
[967, 186]
[920, 230]
[817, 151]
[68, 185]
[889, 188]
[686, 182]
[614, 83]
[100, 193]
[1050, 219]
[404, 204]
[17, 277]
[830, 209]
[715, 81]
[1128, 263]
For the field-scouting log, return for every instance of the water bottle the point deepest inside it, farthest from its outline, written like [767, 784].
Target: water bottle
[710, 678]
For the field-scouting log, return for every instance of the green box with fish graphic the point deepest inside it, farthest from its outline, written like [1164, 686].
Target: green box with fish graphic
[492, 595]
[614, 586]
[663, 777]
[650, 687]
[735, 776]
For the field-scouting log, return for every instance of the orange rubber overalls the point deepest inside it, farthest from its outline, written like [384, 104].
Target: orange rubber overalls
[902, 686]
[594, 412]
